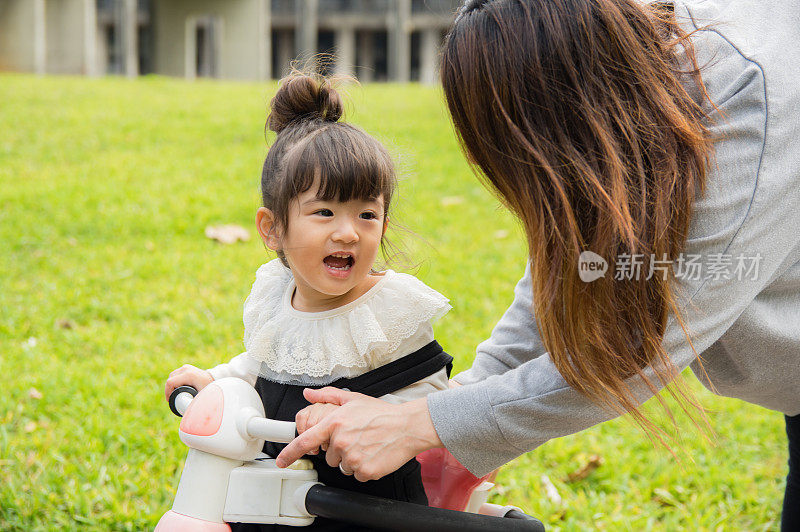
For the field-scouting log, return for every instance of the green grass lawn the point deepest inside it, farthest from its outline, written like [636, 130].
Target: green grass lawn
[107, 283]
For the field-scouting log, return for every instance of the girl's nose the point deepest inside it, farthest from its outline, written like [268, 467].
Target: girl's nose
[345, 232]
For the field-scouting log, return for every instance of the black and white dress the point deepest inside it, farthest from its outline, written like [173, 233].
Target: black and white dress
[380, 344]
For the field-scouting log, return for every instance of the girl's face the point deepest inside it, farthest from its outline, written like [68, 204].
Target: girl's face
[330, 246]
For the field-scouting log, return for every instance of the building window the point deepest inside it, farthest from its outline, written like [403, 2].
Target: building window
[204, 40]
[113, 50]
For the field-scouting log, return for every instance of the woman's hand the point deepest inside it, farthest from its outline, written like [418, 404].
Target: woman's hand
[369, 437]
[187, 375]
[310, 416]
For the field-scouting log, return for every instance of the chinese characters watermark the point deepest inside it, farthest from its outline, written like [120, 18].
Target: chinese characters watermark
[690, 267]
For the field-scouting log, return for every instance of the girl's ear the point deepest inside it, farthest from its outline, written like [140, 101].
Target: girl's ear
[267, 228]
[385, 226]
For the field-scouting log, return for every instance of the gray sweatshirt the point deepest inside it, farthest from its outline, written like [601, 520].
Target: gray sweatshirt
[741, 305]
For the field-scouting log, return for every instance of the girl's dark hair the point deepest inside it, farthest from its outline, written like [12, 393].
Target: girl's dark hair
[577, 114]
[312, 146]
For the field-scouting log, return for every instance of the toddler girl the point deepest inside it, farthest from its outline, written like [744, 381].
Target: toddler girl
[319, 315]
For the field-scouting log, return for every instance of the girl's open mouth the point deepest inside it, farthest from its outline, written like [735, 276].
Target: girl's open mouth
[339, 262]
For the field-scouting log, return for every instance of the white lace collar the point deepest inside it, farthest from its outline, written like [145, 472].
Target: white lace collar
[287, 345]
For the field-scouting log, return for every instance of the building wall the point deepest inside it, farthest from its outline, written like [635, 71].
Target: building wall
[17, 35]
[65, 36]
[374, 39]
[242, 24]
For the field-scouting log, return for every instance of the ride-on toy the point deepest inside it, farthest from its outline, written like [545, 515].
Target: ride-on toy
[226, 478]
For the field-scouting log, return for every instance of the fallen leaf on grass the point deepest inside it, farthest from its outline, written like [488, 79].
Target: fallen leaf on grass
[65, 324]
[591, 464]
[227, 234]
[33, 393]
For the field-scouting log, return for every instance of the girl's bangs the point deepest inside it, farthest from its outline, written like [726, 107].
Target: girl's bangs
[346, 164]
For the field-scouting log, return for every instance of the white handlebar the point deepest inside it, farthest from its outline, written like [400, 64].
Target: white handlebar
[182, 401]
[271, 429]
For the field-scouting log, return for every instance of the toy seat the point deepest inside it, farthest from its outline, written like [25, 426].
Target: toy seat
[448, 484]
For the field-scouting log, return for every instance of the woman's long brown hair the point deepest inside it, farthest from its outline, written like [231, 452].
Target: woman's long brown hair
[577, 114]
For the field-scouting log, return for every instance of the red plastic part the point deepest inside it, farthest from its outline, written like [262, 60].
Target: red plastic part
[175, 522]
[203, 416]
[448, 484]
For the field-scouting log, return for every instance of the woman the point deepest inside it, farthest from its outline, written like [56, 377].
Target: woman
[588, 119]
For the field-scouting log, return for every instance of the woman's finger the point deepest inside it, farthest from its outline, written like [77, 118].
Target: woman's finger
[301, 420]
[305, 442]
[364, 474]
[311, 420]
[344, 469]
[329, 394]
[333, 457]
[372, 436]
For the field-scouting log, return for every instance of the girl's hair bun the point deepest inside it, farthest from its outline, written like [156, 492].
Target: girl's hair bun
[303, 97]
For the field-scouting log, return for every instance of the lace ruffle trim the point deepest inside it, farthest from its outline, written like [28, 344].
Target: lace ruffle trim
[316, 348]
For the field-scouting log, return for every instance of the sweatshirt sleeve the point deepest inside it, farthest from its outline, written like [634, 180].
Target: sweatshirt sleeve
[514, 399]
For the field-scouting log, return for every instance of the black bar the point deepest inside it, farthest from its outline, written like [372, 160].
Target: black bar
[385, 514]
[516, 514]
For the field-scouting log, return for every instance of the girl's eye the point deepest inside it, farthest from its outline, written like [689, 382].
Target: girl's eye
[368, 215]
[324, 212]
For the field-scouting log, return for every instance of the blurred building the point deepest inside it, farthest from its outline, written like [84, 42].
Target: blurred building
[394, 40]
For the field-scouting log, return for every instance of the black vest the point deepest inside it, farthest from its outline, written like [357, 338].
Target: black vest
[283, 401]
